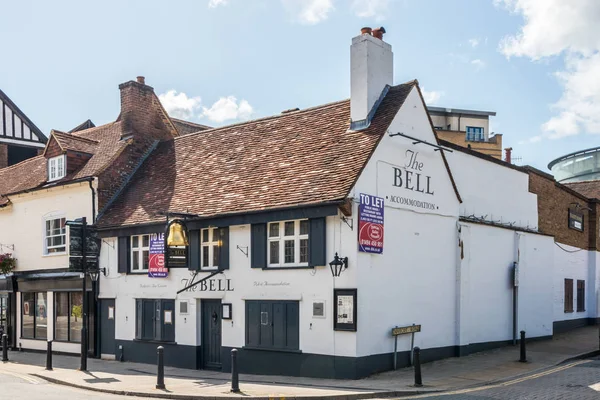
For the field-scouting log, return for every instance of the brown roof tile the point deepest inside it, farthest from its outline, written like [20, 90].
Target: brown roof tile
[590, 189]
[73, 142]
[301, 158]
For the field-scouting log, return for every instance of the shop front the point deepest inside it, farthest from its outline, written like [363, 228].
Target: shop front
[49, 307]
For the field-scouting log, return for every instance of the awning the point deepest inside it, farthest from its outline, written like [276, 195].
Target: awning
[52, 281]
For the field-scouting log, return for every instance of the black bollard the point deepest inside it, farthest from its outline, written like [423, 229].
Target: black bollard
[49, 356]
[235, 380]
[523, 351]
[5, 347]
[160, 378]
[417, 364]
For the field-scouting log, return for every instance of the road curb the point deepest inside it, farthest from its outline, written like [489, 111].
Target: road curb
[163, 395]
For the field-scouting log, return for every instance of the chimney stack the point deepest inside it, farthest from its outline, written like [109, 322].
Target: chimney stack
[371, 70]
[508, 155]
[141, 79]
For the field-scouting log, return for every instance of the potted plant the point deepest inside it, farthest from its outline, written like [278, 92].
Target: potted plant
[7, 263]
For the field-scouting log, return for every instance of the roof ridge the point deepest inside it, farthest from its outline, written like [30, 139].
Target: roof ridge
[184, 121]
[70, 135]
[327, 105]
[79, 133]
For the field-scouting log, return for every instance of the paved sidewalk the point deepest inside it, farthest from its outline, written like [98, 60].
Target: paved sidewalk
[453, 373]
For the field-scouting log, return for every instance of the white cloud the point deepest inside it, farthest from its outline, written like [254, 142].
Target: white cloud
[179, 105]
[479, 64]
[309, 12]
[567, 29]
[474, 42]
[431, 97]
[217, 3]
[370, 8]
[228, 108]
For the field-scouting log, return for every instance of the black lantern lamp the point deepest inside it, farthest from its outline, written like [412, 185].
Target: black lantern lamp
[95, 273]
[338, 265]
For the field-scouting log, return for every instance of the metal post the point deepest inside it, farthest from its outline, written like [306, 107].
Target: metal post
[412, 347]
[235, 380]
[418, 378]
[395, 351]
[160, 378]
[523, 353]
[49, 356]
[5, 347]
[84, 336]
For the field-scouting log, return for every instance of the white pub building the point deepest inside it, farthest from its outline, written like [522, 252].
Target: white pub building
[315, 232]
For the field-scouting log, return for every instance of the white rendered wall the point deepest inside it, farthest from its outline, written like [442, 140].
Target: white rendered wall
[572, 263]
[492, 190]
[413, 281]
[22, 224]
[304, 285]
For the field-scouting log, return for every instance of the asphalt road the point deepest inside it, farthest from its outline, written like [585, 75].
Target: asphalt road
[22, 386]
[579, 380]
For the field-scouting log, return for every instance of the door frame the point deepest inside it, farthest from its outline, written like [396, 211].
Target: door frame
[204, 331]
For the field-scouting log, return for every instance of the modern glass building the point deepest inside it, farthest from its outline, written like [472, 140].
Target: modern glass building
[583, 165]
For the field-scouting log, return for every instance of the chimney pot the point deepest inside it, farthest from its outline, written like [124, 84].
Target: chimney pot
[365, 31]
[508, 155]
[378, 32]
[141, 79]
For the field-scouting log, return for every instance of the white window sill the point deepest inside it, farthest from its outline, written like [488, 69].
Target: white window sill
[64, 253]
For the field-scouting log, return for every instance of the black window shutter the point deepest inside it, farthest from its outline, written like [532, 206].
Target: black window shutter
[316, 242]
[224, 250]
[194, 258]
[139, 319]
[158, 320]
[258, 244]
[124, 250]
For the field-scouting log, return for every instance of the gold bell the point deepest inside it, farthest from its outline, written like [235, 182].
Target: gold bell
[177, 235]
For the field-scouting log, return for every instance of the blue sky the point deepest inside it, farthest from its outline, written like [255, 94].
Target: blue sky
[220, 61]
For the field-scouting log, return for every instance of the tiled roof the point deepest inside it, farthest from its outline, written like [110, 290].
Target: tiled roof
[72, 142]
[32, 173]
[87, 124]
[298, 158]
[590, 189]
[187, 127]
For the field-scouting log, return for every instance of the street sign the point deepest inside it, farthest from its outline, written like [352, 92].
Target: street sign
[405, 329]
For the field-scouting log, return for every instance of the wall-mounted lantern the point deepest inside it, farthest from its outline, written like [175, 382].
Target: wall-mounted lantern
[338, 265]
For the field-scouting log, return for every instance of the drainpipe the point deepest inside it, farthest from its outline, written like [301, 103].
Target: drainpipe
[93, 200]
[516, 272]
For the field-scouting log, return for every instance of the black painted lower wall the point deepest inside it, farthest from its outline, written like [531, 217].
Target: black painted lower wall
[264, 362]
[570, 324]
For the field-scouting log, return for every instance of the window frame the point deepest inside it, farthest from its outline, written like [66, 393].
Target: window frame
[477, 134]
[580, 295]
[282, 238]
[69, 308]
[35, 315]
[213, 243]
[54, 168]
[63, 221]
[140, 250]
[568, 298]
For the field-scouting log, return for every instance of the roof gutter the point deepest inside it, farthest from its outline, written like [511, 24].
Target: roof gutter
[79, 180]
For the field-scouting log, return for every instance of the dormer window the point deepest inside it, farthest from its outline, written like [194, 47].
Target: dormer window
[56, 168]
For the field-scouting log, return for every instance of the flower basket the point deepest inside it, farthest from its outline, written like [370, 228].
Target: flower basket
[7, 263]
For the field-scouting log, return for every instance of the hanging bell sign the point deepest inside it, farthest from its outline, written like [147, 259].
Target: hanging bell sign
[176, 245]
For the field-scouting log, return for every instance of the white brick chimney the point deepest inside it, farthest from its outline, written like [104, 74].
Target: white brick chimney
[372, 68]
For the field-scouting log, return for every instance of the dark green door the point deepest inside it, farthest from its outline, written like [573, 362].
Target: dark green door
[211, 334]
